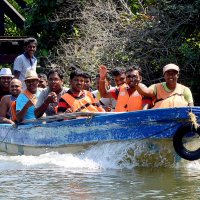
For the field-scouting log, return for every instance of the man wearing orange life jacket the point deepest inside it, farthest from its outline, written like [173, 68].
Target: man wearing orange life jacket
[128, 99]
[76, 99]
[119, 77]
[6, 113]
[170, 93]
[27, 100]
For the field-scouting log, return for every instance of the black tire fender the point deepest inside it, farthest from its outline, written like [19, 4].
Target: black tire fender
[178, 143]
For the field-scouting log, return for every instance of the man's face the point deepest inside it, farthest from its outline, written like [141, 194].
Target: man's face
[15, 87]
[132, 78]
[42, 83]
[5, 81]
[87, 84]
[171, 77]
[54, 82]
[120, 79]
[32, 85]
[77, 83]
[30, 49]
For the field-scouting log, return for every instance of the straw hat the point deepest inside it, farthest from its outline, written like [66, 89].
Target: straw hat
[31, 74]
[6, 72]
[170, 67]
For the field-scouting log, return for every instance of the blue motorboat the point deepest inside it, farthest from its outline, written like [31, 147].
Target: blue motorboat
[78, 131]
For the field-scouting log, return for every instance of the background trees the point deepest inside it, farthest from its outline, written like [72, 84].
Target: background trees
[86, 33]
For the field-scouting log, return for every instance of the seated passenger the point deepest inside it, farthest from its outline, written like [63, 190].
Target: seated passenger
[27, 100]
[168, 94]
[5, 78]
[42, 80]
[107, 103]
[6, 112]
[119, 76]
[128, 98]
[76, 99]
[88, 82]
[48, 99]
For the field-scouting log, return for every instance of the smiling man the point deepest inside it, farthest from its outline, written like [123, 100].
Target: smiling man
[6, 102]
[48, 99]
[127, 97]
[77, 99]
[27, 100]
[168, 94]
[119, 76]
[26, 60]
[5, 79]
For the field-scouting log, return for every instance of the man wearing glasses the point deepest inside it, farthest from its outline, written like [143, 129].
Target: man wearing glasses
[127, 96]
[49, 97]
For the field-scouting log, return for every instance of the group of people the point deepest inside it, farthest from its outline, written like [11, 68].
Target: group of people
[28, 95]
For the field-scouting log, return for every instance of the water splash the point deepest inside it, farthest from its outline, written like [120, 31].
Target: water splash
[120, 155]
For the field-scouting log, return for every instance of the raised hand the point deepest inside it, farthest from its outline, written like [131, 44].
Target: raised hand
[103, 72]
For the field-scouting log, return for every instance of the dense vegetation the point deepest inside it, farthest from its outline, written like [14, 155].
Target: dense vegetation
[86, 33]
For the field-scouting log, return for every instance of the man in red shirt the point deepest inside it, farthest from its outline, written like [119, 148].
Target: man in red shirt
[76, 99]
[127, 96]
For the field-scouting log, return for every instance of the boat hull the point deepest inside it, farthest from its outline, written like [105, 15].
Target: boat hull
[70, 136]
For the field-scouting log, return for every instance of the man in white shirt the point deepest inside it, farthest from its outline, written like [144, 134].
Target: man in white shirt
[26, 60]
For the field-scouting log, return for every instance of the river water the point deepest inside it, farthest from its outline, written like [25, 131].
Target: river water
[106, 171]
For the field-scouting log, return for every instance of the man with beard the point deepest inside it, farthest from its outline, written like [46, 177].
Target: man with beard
[6, 102]
[127, 97]
[77, 99]
[5, 78]
[168, 94]
[26, 101]
[49, 97]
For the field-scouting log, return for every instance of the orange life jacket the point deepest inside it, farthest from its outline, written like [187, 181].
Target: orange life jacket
[85, 104]
[126, 103]
[13, 112]
[172, 99]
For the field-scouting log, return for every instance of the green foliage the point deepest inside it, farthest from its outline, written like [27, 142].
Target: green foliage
[151, 33]
[42, 23]
[11, 29]
[139, 6]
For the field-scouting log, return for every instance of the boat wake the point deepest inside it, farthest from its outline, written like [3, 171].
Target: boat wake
[116, 155]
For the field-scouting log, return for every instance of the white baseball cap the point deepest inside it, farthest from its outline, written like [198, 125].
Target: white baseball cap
[170, 67]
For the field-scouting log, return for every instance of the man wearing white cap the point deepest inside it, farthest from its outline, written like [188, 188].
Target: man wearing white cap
[27, 100]
[5, 78]
[168, 94]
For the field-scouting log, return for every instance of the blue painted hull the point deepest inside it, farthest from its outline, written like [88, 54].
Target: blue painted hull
[158, 123]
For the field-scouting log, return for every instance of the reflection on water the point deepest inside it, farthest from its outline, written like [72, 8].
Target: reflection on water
[140, 183]
[111, 171]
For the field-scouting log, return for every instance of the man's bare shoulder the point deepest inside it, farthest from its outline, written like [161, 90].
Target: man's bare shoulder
[5, 99]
